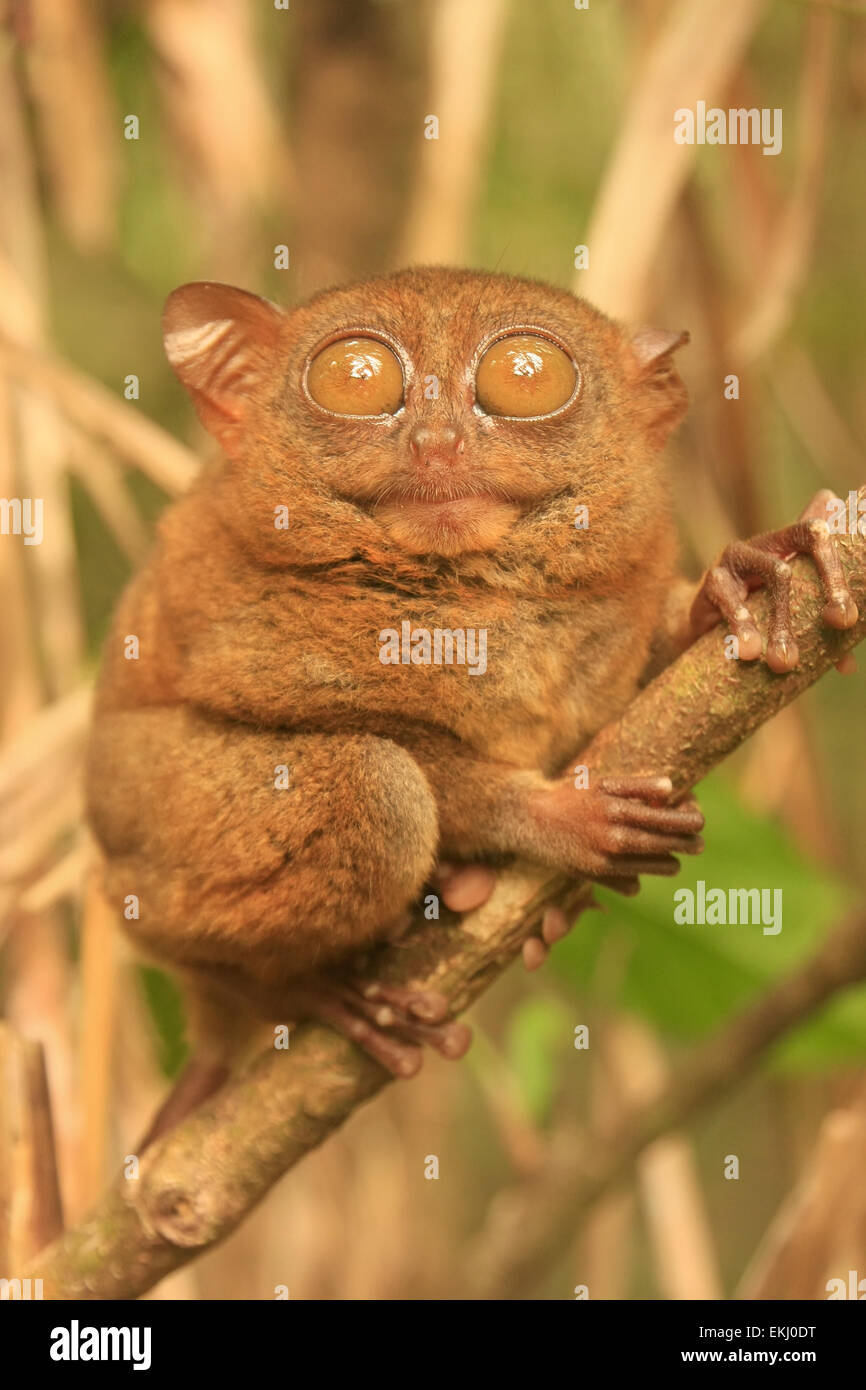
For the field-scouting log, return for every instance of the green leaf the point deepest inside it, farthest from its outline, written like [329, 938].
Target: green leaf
[688, 979]
[537, 1032]
[165, 1003]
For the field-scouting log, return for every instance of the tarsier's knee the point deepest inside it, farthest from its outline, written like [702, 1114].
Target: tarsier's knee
[283, 845]
[391, 824]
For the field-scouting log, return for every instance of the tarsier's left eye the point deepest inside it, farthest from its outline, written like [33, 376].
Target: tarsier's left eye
[524, 375]
[356, 376]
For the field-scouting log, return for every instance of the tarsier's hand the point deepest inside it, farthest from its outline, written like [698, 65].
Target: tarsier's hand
[616, 828]
[763, 561]
[612, 830]
[631, 830]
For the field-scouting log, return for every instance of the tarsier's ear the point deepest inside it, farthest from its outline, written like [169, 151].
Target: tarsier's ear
[651, 371]
[222, 343]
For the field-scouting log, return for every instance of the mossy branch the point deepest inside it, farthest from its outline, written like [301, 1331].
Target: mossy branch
[199, 1182]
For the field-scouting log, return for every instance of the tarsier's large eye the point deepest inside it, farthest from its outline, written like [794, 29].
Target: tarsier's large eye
[524, 375]
[356, 376]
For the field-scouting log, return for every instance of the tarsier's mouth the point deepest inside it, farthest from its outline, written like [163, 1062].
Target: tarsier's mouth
[472, 521]
[452, 508]
[460, 503]
[444, 515]
[441, 492]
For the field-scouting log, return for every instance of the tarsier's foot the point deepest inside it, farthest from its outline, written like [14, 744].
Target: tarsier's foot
[463, 887]
[390, 1023]
[763, 561]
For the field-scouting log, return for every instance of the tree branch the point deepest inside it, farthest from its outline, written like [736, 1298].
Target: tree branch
[201, 1179]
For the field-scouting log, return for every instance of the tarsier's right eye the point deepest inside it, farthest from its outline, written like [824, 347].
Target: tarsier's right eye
[524, 375]
[356, 376]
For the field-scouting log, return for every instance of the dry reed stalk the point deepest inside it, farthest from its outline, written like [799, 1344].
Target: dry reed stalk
[101, 477]
[777, 281]
[831, 443]
[96, 410]
[55, 734]
[38, 988]
[819, 1233]
[20, 690]
[39, 1005]
[682, 1244]
[465, 43]
[221, 123]
[62, 881]
[692, 58]
[30, 1207]
[96, 1052]
[77, 127]
[39, 437]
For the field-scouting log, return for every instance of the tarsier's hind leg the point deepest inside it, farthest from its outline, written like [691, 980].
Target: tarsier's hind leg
[260, 861]
[390, 1022]
[274, 853]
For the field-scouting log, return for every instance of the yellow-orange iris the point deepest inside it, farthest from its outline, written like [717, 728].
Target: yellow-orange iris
[356, 376]
[524, 375]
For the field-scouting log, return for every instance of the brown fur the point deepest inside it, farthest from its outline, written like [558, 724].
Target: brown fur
[259, 646]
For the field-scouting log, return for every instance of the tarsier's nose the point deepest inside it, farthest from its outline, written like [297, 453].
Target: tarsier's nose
[436, 446]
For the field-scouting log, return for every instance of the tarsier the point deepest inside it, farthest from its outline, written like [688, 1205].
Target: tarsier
[411, 450]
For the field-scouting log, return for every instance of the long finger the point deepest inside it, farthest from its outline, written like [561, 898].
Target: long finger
[683, 819]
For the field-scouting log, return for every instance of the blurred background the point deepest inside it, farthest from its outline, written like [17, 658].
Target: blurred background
[146, 144]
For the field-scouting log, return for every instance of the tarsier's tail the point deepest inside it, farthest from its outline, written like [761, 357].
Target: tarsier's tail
[200, 1079]
[220, 1032]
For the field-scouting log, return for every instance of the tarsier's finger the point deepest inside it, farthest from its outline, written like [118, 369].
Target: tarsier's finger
[463, 887]
[554, 925]
[628, 839]
[765, 559]
[399, 1058]
[685, 819]
[655, 789]
[811, 536]
[417, 1017]
[534, 953]
[427, 1005]
[452, 1039]
[726, 592]
[817, 507]
[632, 866]
[629, 887]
